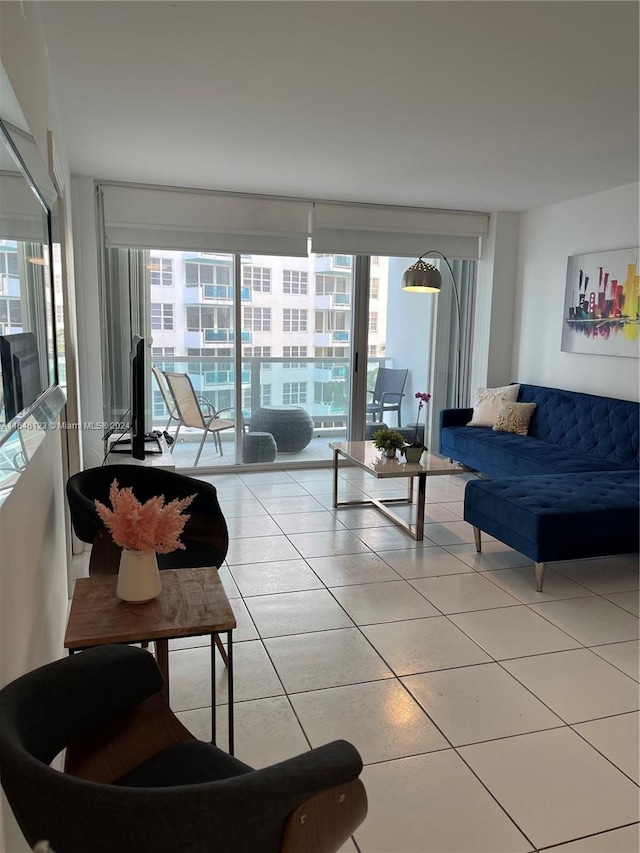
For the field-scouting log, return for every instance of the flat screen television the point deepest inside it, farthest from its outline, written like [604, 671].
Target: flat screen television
[139, 443]
[21, 376]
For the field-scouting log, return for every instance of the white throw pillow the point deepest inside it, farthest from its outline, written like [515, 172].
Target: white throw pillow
[488, 401]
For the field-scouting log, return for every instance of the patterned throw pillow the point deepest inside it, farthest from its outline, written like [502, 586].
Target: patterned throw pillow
[514, 417]
[487, 405]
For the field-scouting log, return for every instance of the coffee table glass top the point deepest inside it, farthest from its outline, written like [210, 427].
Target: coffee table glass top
[364, 454]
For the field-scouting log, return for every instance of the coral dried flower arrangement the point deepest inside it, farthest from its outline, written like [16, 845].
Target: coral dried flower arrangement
[151, 526]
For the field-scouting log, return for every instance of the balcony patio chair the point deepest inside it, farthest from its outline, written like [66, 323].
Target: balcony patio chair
[195, 411]
[387, 394]
[167, 398]
[135, 779]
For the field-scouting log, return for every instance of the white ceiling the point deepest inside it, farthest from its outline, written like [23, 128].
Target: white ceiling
[470, 105]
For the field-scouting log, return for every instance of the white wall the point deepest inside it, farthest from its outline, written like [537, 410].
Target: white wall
[33, 571]
[548, 235]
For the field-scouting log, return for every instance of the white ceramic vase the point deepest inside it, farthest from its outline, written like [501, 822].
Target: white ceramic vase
[138, 576]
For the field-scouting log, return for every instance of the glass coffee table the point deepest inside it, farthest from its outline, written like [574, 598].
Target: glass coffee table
[365, 456]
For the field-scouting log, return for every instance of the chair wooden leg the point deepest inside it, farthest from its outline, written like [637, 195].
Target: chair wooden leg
[221, 649]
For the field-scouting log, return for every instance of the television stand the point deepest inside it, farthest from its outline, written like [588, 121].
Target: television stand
[156, 450]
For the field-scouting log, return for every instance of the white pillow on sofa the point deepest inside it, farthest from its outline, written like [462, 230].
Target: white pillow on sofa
[488, 401]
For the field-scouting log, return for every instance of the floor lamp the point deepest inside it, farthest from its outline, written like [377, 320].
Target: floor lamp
[422, 277]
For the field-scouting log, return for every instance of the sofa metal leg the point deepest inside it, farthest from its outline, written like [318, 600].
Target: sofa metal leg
[540, 567]
[476, 533]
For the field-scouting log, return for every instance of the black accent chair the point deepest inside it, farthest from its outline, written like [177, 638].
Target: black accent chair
[387, 394]
[136, 781]
[205, 535]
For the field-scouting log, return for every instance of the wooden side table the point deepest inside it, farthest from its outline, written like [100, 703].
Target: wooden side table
[192, 603]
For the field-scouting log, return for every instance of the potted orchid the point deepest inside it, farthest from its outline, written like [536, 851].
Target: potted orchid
[142, 530]
[412, 452]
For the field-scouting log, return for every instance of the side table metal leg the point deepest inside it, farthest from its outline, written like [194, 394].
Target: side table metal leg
[213, 689]
[230, 691]
[335, 478]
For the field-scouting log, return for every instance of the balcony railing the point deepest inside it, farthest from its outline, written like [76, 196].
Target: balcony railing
[319, 385]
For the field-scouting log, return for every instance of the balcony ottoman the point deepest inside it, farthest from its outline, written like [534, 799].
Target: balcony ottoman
[291, 426]
[558, 516]
[258, 447]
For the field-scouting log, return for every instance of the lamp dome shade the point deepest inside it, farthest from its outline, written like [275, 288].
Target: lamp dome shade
[422, 278]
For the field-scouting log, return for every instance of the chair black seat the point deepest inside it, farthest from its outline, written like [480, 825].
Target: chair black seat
[205, 535]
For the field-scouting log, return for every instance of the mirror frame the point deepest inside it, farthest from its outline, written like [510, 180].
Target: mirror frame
[42, 414]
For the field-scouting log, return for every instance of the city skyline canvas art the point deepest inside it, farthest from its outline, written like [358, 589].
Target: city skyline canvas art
[602, 304]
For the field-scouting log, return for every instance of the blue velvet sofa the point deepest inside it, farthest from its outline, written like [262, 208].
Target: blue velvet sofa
[568, 489]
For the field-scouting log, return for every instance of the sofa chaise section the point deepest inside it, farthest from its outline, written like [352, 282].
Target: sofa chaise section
[558, 516]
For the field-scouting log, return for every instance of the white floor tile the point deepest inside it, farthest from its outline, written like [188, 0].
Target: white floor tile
[327, 544]
[617, 739]
[296, 612]
[389, 538]
[513, 632]
[434, 803]
[301, 503]
[477, 703]
[251, 721]
[625, 840]
[190, 676]
[383, 602]
[245, 629]
[592, 621]
[347, 569]
[261, 478]
[521, 583]
[307, 522]
[555, 786]
[430, 561]
[244, 527]
[286, 489]
[494, 555]
[281, 576]
[228, 583]
[449, 533]
[244, 509]
[461, 593]
[433, 513]
[602, 576]
[262, 549]
[361, 516]
[379, 718]
[422, 645]
[577, 685]
[627, 600]
[624, 656]
[325, 659]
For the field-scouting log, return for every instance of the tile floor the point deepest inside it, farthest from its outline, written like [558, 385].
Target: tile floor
[489, 717]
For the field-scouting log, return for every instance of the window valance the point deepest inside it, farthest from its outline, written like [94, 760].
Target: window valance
[163, 218]
[167, 218]
[395, 231]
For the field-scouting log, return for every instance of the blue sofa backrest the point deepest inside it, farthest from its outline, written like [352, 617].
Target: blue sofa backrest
[597, 426]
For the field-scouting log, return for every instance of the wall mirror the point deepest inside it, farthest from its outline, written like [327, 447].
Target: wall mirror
[30, 398]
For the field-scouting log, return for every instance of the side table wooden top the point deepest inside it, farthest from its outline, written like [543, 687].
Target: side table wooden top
[192, 602]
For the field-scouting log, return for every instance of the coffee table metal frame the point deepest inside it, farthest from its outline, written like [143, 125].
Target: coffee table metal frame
[365, 456]
[192, 603]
